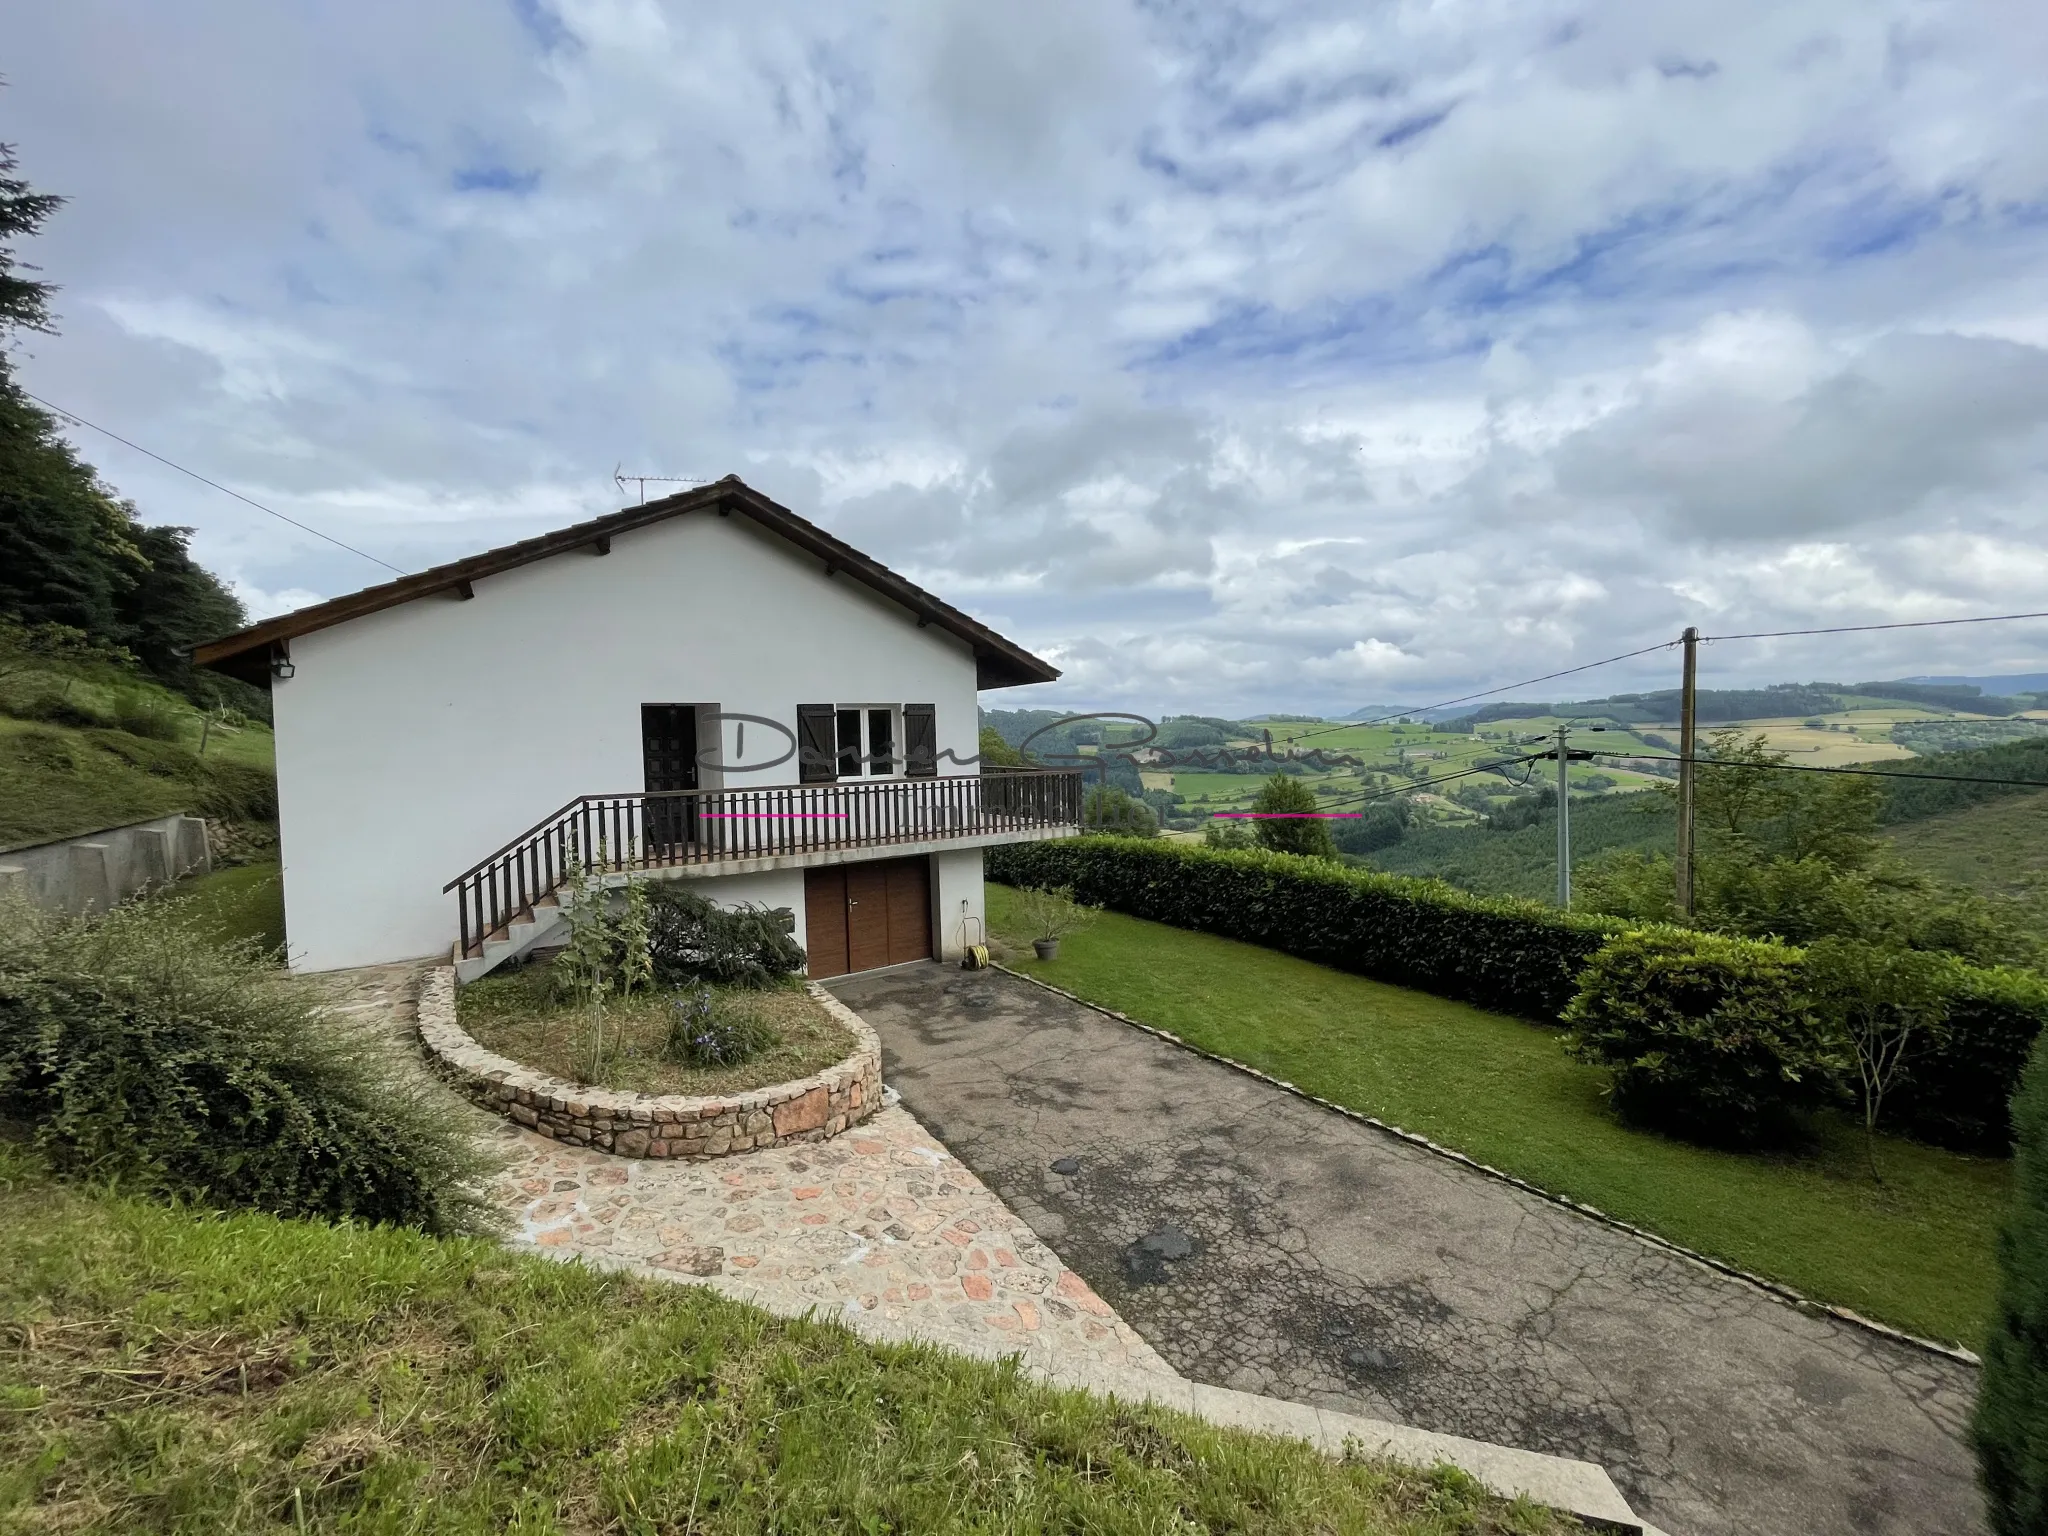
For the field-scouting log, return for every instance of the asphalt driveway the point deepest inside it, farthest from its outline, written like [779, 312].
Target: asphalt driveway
[1261, 1243]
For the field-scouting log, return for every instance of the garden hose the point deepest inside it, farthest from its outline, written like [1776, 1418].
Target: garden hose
[973, 957]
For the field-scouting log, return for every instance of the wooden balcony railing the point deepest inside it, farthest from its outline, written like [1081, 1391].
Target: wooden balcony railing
[612, 834]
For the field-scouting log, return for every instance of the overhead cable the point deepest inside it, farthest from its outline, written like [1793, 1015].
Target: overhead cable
[1858, 629]
[181, 469]
[1868, 773]
[1527, 682]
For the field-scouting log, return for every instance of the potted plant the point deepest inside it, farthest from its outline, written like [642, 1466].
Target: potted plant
[1052, 914]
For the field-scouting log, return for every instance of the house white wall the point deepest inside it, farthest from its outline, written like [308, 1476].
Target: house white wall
[414, 742]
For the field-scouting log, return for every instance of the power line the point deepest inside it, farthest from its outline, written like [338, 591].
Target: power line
[1868, 773]
[181, 469]
[1858, 629]
[1527, 682]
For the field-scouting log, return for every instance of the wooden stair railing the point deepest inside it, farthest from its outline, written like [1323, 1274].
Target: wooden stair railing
[641, 830]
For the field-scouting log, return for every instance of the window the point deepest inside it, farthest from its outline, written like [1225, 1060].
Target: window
[855, 741]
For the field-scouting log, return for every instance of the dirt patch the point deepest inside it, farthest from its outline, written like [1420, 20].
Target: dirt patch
[521, 1015]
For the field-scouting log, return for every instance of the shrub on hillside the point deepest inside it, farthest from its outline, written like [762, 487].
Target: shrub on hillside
[1707, 1037]
[2011, 1426]
[148, 716]
[1517, 956]
[1282, 796]
[692, 940]
[233, 791]
[54, 708]
[136, 1049]
[1107, 808]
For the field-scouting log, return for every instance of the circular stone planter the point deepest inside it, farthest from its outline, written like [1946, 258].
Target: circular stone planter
[657, 1125]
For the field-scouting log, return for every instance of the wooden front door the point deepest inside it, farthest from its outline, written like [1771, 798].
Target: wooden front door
[860, 916]
[668, 754]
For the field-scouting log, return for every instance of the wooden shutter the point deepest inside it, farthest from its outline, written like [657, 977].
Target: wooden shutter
[920, 741]
[817, 753]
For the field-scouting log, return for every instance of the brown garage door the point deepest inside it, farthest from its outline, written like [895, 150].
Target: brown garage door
[860, 916]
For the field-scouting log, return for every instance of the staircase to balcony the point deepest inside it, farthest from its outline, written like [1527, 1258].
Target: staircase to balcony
[510, 903]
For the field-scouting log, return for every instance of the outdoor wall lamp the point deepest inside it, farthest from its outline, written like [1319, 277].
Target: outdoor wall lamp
[281, 665]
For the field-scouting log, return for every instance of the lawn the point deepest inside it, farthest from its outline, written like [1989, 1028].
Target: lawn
[174, 1371]
[242, 903]
[1916, 1251]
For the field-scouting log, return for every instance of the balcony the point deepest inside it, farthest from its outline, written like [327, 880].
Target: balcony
[739, 831]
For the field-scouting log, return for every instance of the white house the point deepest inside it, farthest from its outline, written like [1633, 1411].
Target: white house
[706, 687]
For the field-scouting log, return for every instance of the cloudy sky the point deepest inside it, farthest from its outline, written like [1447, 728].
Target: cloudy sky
[1236, 356]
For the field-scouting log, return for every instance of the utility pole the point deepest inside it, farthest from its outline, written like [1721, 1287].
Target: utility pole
[1564, 817]
[1566, 755]
[1688, 690]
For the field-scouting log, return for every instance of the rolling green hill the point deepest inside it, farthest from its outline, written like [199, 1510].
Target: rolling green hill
[1524, 862]
[86, 745]
[1998, 847]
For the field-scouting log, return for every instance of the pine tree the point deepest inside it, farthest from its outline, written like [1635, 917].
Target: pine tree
[2011, 1428]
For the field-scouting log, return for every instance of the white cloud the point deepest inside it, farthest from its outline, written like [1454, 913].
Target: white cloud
[1254, 355]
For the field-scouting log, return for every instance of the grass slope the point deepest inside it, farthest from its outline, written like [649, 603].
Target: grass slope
[180, 1372]
[240, 905]
[1915, 1252]
[68, 765]
[62, 780]
[60, 783]
[1999, 847]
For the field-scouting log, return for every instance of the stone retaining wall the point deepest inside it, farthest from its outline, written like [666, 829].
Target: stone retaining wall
[650, 1125]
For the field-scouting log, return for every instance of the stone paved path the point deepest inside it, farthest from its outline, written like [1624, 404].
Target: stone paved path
[1265, 1244]
[881, 1228]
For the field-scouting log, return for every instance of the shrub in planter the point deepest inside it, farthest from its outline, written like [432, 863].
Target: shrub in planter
[708, 1031]
[692, 940]
[136, 1049]
[1707, 1037]
[2011, 1427]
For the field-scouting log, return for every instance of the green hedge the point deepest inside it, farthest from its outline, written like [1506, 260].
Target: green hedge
[1961, 1095]
[1707, 1037]
[1514, 956]
[2011, 1428]
[1716, 1038]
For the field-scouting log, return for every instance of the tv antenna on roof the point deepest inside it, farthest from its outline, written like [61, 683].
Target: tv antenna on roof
[620, 477]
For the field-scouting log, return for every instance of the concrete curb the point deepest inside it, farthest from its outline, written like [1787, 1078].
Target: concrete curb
[1578, 1488]
[1772, 1288]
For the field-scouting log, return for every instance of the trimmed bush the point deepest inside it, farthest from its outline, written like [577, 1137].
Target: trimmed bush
[1953, 1091]
[136, 1049]
[2011, 1427]
[1960, 1094]
[692, 940]
[1707, 1037]
[1515, 956]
